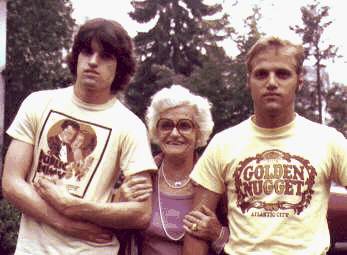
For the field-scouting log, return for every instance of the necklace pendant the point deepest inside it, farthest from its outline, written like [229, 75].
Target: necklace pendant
[178, 183]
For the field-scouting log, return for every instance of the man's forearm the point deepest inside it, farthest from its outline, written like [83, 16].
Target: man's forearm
[31, 204]
[24, 197]
[21, 193]
[193, 246]
[118, 215]
[202, 197]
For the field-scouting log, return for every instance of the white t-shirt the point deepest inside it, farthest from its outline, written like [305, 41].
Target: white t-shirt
[277, 182]
[113, 138]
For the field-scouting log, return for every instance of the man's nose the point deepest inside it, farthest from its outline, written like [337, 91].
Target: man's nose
[272, 81]
[93, 60]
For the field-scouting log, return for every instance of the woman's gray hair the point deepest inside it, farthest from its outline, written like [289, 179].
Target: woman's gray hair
[175, 96]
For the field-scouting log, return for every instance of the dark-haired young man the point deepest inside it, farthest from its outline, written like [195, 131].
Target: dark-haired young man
[61, 213]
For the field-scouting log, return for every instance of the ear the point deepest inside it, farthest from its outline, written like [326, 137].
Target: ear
[300, 82]
[197, 138]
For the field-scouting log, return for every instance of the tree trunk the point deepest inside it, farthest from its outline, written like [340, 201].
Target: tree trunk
[319, 92]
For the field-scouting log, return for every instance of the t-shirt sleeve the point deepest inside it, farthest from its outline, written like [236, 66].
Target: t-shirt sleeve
[339, 158]
[24, 125]
[136, 153]
[208, 171]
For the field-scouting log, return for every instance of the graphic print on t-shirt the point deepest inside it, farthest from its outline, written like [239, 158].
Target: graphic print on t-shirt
[70, 151]
[273, 183]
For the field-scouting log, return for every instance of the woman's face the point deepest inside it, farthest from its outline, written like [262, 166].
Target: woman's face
[77, 143]
[177, 132]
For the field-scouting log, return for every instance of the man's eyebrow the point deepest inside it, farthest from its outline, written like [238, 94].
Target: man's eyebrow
[260, 70]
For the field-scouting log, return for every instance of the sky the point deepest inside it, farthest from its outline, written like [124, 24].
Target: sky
[278, 15]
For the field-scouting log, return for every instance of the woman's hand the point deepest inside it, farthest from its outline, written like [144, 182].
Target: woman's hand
[135, 188]
[202, 224]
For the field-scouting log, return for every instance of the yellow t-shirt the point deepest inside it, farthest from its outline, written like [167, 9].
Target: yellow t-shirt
[107, 138]
[277, 182]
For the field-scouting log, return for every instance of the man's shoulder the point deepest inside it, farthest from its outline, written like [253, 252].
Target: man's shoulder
[324, 133]
[228, 137]
[127, 116]
[36, 102]
[48, 94]
[315, 128]
[235, 130]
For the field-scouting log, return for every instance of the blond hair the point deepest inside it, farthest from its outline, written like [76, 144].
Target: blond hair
[272, 42]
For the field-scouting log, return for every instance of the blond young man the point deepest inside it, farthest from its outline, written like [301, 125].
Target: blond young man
[276, 167]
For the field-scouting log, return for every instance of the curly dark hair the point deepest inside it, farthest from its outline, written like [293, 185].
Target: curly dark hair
[68, 122]
[115, 40]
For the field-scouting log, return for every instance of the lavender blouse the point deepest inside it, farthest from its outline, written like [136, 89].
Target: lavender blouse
[173, 208]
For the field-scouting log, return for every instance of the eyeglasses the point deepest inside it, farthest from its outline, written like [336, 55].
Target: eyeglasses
[183, 126]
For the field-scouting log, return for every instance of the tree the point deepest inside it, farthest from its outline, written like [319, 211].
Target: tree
[337, 107]
[229, 98]
[9, 225]
[178, 42]
[38, 32]
[223, 79]
[314, 25]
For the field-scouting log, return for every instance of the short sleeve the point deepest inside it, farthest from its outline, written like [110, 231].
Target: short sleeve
[24, 125]
[136, 153]
[339, 158]
[208, 171]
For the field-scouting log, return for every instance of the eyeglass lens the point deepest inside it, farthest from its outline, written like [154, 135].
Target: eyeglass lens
[182, 125]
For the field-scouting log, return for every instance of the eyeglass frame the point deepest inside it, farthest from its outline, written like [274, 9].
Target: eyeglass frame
[194, 126]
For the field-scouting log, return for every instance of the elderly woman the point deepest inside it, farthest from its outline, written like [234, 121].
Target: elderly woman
[179, 122]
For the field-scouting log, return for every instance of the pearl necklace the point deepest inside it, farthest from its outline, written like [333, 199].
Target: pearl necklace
[160, 210]
[177, 184]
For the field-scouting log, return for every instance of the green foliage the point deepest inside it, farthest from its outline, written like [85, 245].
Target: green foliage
[37, 32]
[337, 107]
[245, 41]
[226, 78]
[175, 46]
[306, 103]
[314, 24]
[182, 48]
[9, 226]
[181, 34]
[222, 81]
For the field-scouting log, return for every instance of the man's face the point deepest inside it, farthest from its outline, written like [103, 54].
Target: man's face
[273, 83]
[68, 134]
[96, 70]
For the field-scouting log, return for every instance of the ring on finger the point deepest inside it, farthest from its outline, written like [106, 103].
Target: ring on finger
[195, 227]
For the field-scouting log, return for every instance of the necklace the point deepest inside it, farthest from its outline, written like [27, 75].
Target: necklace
[177, 184]
[161, 213]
